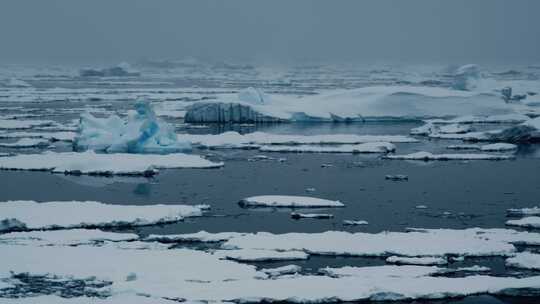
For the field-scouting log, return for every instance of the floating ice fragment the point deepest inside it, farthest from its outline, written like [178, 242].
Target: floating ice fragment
[256, 255]
[298, 215]
[527, 260]
[429, 156]
[428, 261]
[354, 222]
[288, 201]
[27, 143]
[397, 177]
[527, 222]
[524, 211]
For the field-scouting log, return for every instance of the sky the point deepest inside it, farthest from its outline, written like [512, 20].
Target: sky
[279, 31]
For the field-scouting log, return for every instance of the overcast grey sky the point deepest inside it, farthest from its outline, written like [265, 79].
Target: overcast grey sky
[419, 31]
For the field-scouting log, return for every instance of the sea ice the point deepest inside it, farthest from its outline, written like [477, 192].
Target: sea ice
[93, 163]
[298, 215]
[498, 147]
[354, 222]
[283, 270]
[69, 237]
[527, 222]
[397, 177]
[372, 147]
[417, 260]
[15, 124]
[528, 131]
[524, 211]
[31, 215]
[429, 156]
[27, 143]
[52, 136]
[142, 132]
[288, 201]
[527, 260]
[260, 255]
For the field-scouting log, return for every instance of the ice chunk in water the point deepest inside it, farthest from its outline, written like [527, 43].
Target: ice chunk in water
[143, 132]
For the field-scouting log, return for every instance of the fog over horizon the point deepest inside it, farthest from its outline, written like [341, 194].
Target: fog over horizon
[274, 32]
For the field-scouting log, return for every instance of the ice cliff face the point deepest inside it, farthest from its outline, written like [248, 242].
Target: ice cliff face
[225, 112]
[142, 132]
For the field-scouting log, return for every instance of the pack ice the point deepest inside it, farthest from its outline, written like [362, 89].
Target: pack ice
[142, 132]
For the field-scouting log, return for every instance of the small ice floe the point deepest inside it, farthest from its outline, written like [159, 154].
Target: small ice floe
[288, 201]
[258, 157]
[397, 177]
[310, 190]
[31, 215]
[17, 83]
[454, 129]
[416, 260]
[469, 136]
[52, 136]
[464, 147]
[298, 215]
[420, 207]
[93, 163]
[199, 237]
[430, 156]
[372, 147]
[498, 147]
[523, 211]
[27, 143]
[142, 132]
[283, 270]
[471, 119]
[236, 140]
[326, 165]
[526, 260]
[263, 255]
[425, 129]
[15, 124]
[69, 237]
[355, 222]
[526, 222]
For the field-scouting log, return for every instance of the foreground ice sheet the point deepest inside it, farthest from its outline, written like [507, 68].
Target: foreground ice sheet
[236, 140]
[527, 222]
[372, 147]
[31, 215]
[142, 132]
[430, 156]
[90, 162]
[288, 201]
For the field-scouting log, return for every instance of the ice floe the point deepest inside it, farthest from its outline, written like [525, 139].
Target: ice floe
[528, 131]
[430, 156]
[63, 237]
[288, 202]
[372, 147]
[15, 124]
[31, 215]
[523, 211]
[93, 163]
[27, 143]
[142, 132]
[278, 271]
[52, 136]
[416, 260]
[527, 222]
[259, 255]
[527, 260]
[201, 236]
[396, 177]
[498, 147]
[299, 215]
[354, 222]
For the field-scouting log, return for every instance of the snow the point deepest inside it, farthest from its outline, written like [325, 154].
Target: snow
[354, 222]
[524, 211]
[27, 143]
[233, 139]
[527, 260]
[53, 136]
[278, 271]
[15, 124]
[31, 215]
[430, 156]
[527, 222]
[288, 201]
[121, 298]
[260, 255]
[142, 132]
[372, 147]
[298, 215]
[63, 237]
[90, 162]
[416, 260]
[417, 243]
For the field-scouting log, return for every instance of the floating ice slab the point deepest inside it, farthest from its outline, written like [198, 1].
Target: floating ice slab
[90, 162]
[256, 255]
[430, 156]
[373, 147]
[236, 140]
[31, 215]
[288, 201]
[469, 119]
[525, 260]
[298, 215]
[64, 237]
[396, 177]
[202, 236]
[498, 147]
[15, 124]
[455, 129]
[354, 222]
[27, 143]
[142, 132]
[53, 136]
[417, 260]
[527, 222]
[418, 243]
[122, 298]
[524, 211]
[288, 269]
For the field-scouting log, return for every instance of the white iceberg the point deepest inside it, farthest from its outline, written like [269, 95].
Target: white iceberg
[143, 132]
[372, 147]
[93, 163]
[466, 77]
[527, 260]
[526, 222]
[31, 215]
[288, 201]
[426, 156]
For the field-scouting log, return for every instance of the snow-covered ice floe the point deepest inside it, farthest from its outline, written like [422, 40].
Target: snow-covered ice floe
[368, 103]
[15, 124]
[93, 163]
[471, 119]
[142, 132]
[416, 260]
[288, 202]
[523, 211]
[373, 147]
[69, 237]
[496, 147]
[430, 156]
[299, 215]
[283, 270]
[31, 215]
[527, 260]
[527, 222]
[260, 255]
[354, 222]
[52, 136]
[27, 143]
[233, 139]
